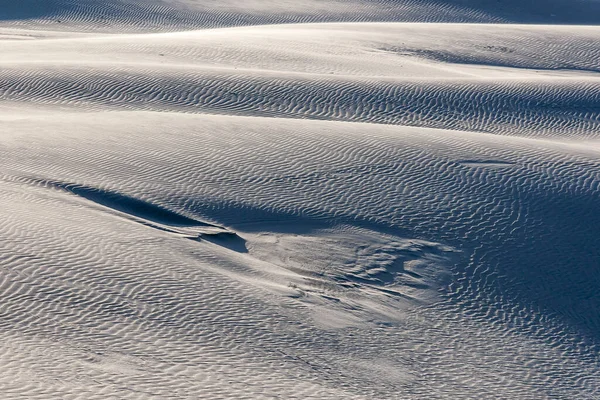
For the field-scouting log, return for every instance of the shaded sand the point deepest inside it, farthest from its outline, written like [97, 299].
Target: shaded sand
[377, 209]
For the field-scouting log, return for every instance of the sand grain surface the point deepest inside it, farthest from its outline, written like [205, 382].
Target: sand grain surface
[299, 199]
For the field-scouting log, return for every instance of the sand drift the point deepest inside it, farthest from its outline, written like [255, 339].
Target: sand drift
[299, 200]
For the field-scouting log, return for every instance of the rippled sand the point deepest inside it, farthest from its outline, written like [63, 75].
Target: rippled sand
[299, 200]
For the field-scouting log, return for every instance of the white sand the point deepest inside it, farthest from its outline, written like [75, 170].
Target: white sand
[199, 204]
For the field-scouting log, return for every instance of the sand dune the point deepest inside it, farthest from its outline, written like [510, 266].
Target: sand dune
[169, 15]
[311, 200]
[402, 74]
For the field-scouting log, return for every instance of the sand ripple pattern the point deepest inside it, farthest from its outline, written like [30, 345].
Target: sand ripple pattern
[169, 15]
[400, 211]
[563, 108]
[492, 199]
[161, 15]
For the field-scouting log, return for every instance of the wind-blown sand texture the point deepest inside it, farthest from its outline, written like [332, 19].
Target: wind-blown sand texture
[309, 199]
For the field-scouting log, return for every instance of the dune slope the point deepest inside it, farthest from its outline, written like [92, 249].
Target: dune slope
[329, 209]
[169, 15]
